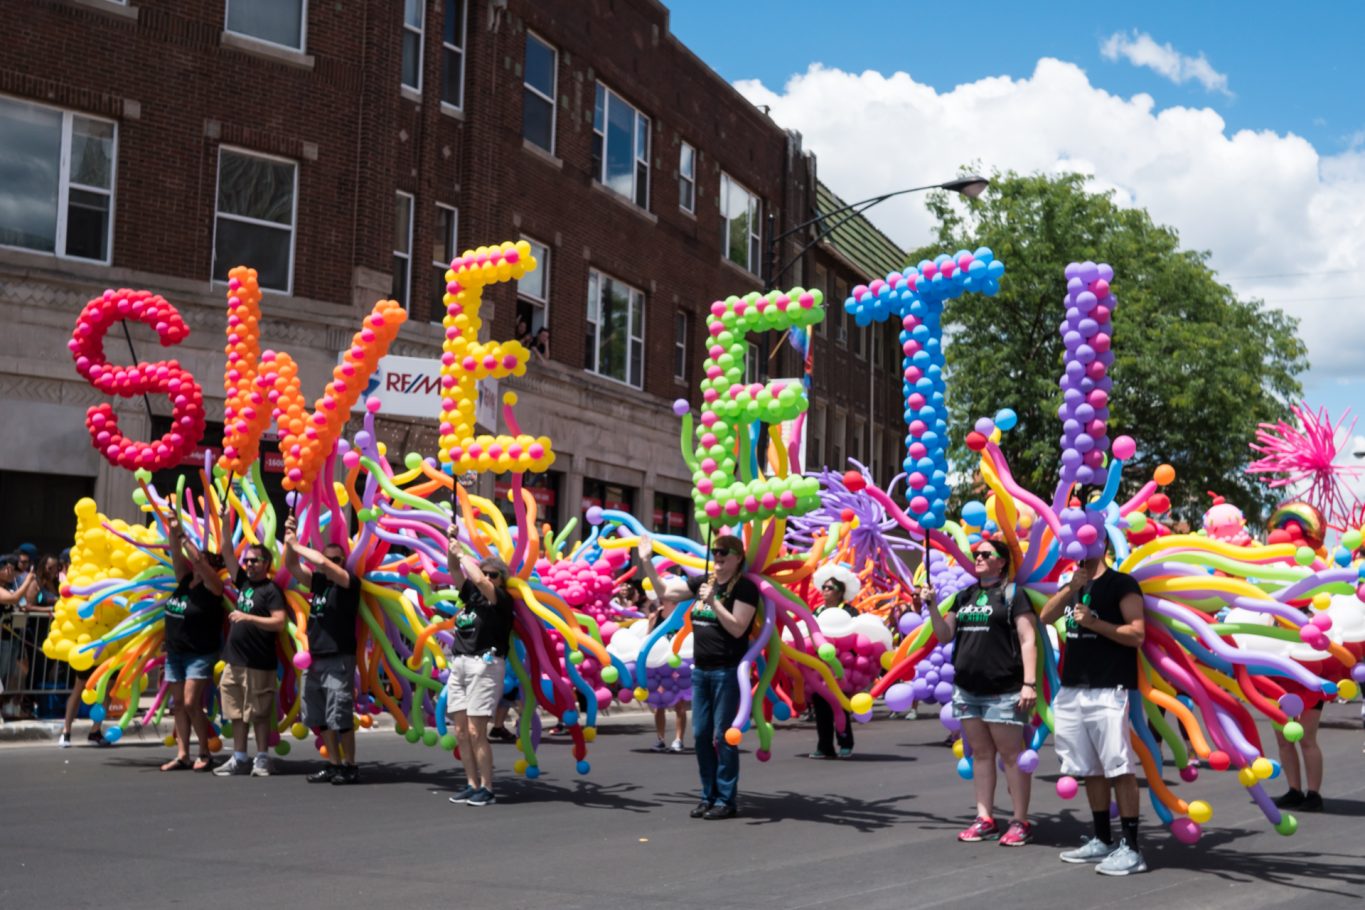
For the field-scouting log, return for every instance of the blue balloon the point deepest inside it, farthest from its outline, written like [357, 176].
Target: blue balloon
[974, 513]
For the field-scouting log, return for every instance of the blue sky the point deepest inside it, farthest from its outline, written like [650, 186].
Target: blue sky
[1252, 144]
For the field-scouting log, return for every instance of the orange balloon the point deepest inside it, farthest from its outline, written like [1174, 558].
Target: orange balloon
[733, 736]
[1164, 475]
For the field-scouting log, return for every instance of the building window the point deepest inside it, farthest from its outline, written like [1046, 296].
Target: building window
[680, 331]
[452, 54]
[815, 448]
[281, 22]
[620, 146]
[413, 11]
[538, 99]
[751, 363]
[687, 178]
[860, 341]
[740, 224]
[443, 251]
[822, 282]
[56, 181]
[533, 294]
[616, 329]
[402, 248]
[670, 513]
[837, 295]
[875, 334]
[254, 222]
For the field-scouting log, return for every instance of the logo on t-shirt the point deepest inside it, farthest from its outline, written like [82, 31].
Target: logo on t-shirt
[703, 614]
[246, 600]
[465, 619]
[177, 605]
[975, 617]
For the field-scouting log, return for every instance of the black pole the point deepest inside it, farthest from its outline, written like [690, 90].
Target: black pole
[146, 400]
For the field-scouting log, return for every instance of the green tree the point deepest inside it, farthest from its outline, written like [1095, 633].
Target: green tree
[1195, 368]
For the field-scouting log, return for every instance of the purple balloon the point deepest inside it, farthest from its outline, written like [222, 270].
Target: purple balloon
[1291, 704]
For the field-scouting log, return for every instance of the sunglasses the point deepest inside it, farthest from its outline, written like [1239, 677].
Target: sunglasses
[829, 588]
[494, 573]
[720, 553]
[986, 554]
[252, 560]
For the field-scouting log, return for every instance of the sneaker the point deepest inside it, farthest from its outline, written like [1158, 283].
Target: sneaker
[1292, 799]
[323, 775]
[700, 809]
[910, 715]
[1093, 850]
[232, 768]
[482, 797]
[502, 735]
[1124, 860]
[462, 798]
[96, 738]
[64, 742]
[348, 774]
[720, 811]
[659, 747]
[979, 830]
[260, 767]
[845, 751]
[1019, 833]
[676, 747]
[1312, 802]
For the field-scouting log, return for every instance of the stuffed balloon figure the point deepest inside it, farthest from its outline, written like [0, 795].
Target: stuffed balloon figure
[1224, 521]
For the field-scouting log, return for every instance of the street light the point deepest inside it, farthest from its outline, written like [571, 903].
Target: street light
[969, 185]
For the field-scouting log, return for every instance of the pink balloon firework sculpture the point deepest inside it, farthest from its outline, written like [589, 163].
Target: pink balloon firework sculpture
[1305, 455]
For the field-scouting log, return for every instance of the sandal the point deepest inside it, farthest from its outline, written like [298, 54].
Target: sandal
[177, 764]
[203, 763]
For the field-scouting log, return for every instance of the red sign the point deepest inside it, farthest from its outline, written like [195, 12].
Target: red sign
[195, 459]
[272, 462]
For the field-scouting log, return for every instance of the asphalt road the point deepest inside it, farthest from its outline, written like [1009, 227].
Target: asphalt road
[103, 828]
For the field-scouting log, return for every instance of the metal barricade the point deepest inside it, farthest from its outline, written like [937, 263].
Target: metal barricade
[35, 686]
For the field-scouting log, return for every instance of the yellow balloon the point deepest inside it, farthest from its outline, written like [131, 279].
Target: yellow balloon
[1348, 689]
[1246, 777]
[1200, 812]
[861, 703]
[1262, 768]
[959, 751]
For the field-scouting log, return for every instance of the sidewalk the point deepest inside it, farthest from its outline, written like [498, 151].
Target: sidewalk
[29, 732]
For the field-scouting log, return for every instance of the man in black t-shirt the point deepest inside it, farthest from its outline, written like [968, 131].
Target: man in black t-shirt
[478, 663]
[329, 680]
[721, 615]
[247, 686]
[1104, 628]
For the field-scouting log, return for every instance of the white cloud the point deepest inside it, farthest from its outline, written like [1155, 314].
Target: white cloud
[1140, 49]
[1282, 221]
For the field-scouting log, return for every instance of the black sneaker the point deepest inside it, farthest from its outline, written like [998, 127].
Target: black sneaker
[1293, 800]
[482, 797]
[700, 809]
[325, 775]
[346, 774]
[1312, 802]
[96, 738]
[720, 811]
[462, 798]
[502, 735]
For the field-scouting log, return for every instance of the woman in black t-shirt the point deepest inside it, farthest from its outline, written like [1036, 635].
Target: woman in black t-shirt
[837, 586]
[994, 635]
[194, 635]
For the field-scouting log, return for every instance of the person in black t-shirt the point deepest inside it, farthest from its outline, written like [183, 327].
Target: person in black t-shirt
[329, 680]
[837, 586]
[194, 635]
[1104, 628]
[247, 686]
[478, 663]
[994, 635]
[721, 615]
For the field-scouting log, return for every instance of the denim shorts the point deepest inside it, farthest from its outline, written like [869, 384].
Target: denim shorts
[993, 709]
[181, 665]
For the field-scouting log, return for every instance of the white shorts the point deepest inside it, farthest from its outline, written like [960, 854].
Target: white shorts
[474, 685]
[1093, 732]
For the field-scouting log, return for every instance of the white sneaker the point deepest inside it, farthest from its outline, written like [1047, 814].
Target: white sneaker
[261, 766]
[677, 746]
[1123, 861]
[64, 742]
[1093, 850]
[232, 768]
[912, 714]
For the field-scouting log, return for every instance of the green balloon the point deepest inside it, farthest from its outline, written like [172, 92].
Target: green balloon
[448, 741]
[430, 737]
[412, 734]
[282, 747]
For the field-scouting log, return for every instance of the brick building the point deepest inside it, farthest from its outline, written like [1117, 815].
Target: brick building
[348, 151]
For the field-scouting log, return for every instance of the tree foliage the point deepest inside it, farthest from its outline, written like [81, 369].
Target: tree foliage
[1195, 369]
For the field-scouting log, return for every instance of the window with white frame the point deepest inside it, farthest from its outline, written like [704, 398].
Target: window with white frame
[56, 181]
[254, 221]
[533, 292]
[687, 178]
[751, 364]
[281, 22]
[402, 248]
[740, 224]
[452, 54]
[620, 146]
[815, 432]
[615, 342]
[860, 341]
[413, 28]
[538, 97]
[681, 327]
[443, 251]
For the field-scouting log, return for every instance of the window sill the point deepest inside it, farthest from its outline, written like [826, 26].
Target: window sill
[410, 93]
[452, 111]
[266, 50]
[121, 10]
[619, 383]
[548, 157]
[687, 213]
[739, 269]
[626, 204]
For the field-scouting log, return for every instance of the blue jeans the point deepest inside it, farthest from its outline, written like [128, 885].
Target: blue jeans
[715, 699]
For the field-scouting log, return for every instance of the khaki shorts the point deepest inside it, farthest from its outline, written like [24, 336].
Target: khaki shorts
[247, 695]
[474, 685]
